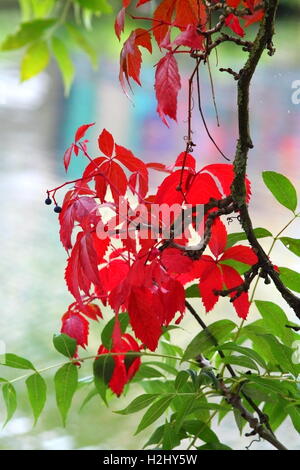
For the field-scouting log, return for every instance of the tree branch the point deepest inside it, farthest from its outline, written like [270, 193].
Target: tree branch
[263, 40]
[260, 426]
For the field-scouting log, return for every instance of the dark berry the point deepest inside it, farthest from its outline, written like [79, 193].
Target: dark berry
[48, 201]
[57, 209]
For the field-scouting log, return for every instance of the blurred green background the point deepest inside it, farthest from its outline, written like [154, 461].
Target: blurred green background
[38, 123]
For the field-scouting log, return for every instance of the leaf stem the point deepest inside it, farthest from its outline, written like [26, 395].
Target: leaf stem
[82, 359]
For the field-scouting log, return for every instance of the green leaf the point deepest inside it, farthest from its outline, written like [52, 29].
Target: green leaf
[64, 62]
[292, 244]
[17, 362]
[65, 381]
[184, 410]
[233, 238]
[192, 292]
[106, 335]
[276, 411]
[155, 386]
[206, 339]
[214, 446]
[209, 376]
[35, 60]
[83, 43]
[269, 385]
[155, 411]
[156, 437]
[170, 438]
[138, 404]
[258, 394]
[65, 345]
[281, 188]
[294, 412]
[90, 395]
[290, 279]
[146, 372]
[103, 370]
[28, 32]
[282, 354]
[200, 429]
[10, 400]
[241, 268]
[165, 367]
[42, 8]
[96, 5]
[37, 393]
[181, 379]
[255, 332]
[171, 350]
[241, 361]
[245, 351]
[276, 320]
[25, 6]
[240, 421]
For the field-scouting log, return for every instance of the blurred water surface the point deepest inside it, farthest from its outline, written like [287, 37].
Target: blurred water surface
[37, 124]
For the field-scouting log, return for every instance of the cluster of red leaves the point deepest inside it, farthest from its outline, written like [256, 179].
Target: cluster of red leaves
[124, 370]
[233, 21]
[188, 18]
[136, 276]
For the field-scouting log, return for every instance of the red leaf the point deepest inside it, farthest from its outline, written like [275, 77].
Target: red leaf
[218, 238]
[167, 192]
[101, 245]
[82, 130]
[145, 315]
[175, 261]
[241, 253]
[187, 13]
[142, 2]
[78, 209]
[233, 3]
[190, 38]
[106, 143]
[167, 86]
[173, 300]
[162, 19]
[223, 174]
[123, 372]
[82, 267]
[76, 326]
[67, 157]
[117, 335]
[233, 279]
[88, 258]
[113, 274]
[211, 280]
[119, 23]
[92, 311]
[202, 188]
[126, 157]
[114, 176]
[198, 269]
[233, 22]
[158, 167]
[250, 4]
[186, 159]
[250, 19]
[135, 165]
[119, 378]
[131, 57]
